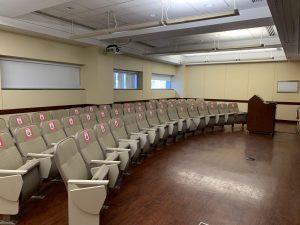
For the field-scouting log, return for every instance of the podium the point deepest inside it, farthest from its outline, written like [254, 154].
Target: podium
[261, 116]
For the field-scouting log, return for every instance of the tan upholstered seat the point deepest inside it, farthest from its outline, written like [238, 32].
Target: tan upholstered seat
[103, 115]
[164, 119]
[229, 117]
[59, 114]
[192, 122]
[3, 126]
[210, 119]
[116, 113]
[143, 124]
[18, 121]
[88, 120]
[94, 156]
[213, 109]
[76, 111]
[105, 107]
[240, 117]
[183, 123]
[52, 132]
[91, 109]
[198, 119]
[19, 180]
[163, 128]
[39, 117]
[71, 125]
[86, 189]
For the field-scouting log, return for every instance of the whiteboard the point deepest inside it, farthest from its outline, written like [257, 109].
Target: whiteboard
[289, 86]
[27, 74]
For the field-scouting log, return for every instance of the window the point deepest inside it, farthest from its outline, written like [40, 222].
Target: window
[127, 79]
[30, 74]
[160, 81]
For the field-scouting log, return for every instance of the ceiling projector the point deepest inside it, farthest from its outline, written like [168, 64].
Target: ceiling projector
[113, 49]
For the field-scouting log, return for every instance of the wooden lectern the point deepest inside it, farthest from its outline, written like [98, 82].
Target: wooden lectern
[261, 116]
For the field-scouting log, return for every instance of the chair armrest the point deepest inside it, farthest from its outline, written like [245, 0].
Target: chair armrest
[49, 150]
[106, 162]
[39, 155]
[149, 129]
[88, 182]
[139, 134]
[119, 149]
[128, 140]
[13, 172]
[30, 164]
[10, 188]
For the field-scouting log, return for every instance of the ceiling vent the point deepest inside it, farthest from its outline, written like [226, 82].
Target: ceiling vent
[271, 31]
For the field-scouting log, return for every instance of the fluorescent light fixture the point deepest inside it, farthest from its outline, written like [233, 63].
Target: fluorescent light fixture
[228, 52]
[232, 61]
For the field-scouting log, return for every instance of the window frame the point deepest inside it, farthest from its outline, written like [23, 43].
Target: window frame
[162, 75]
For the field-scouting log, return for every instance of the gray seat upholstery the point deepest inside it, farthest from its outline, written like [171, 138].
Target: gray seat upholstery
[116, 112]
[52, 132]
[153, 132]
[140, 108]
[32, 146]
[59, 114]
[94, 157]
[120, 134]
[129, 110]
[19, 179]
[103, 115]
[193, 113]
[240, 117]
[229, 117]
[128, 105]
[86, 190]
[117, 106]
[91, 109]
[151, 105]
[71, 125]
[191, 101]
[192, 123]
[135, 133]
[163, 128]
[210, 119]
[18, 121]
[164, 119]
[213, 109]
[76, 111]
[39, 117]
[110, 146]
[173, 115]
[3, 126]
[140, 104]
[88, 120]
[105, 107]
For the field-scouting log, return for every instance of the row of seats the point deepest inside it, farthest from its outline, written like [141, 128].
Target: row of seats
[89, 147]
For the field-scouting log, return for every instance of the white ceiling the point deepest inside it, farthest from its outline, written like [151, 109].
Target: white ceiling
[65, 18]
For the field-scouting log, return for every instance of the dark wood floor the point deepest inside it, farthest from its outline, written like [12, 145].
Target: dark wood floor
[204, 178]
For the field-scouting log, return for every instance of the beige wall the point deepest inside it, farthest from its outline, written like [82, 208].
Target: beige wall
[147, 67]
[242, 81]
[96, 73]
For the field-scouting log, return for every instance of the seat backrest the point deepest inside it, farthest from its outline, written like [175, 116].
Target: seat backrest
[69, 161]
[52, 131]
[88, 120]
[105, 107]
[29, 140]
[172, 112]
[38, 117]
[199, 100]
[192, 110]
[130, 123]
[223, 108]
[104, 135]
[103, 115]
[140, 108]
[191, 101]
[151, 106]
[213, 107]
[89, 146]
[117, 129]
[91, 108]
[162, 115]
[71, 125]
[152, 117]
[141, 120]
[233, 107]
[182, 111]
[59, 114]
[128, 105]
[140, 104]
[76, 111]
[117, 106]
[18, 121]
[172, 104]
[202, 108]
[129, 110]
[116, 112]
[3, 126]
[162, 105]
[10, 158]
